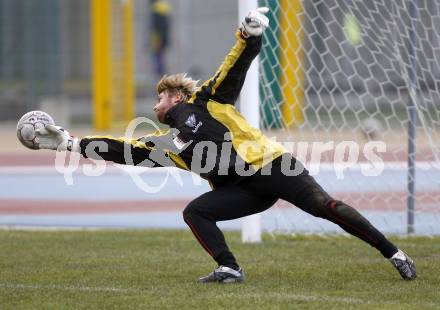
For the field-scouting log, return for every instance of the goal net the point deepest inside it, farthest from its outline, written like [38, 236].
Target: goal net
[349, 79]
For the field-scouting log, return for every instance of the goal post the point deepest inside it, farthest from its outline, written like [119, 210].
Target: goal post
[250, 108]
[288, 88]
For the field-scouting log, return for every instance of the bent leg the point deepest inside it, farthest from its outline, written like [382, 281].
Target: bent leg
[224, 203]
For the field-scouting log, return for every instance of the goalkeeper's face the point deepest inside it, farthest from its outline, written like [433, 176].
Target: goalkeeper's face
[165, 101]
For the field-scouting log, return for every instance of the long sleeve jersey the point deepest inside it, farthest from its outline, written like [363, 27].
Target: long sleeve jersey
[207, 134]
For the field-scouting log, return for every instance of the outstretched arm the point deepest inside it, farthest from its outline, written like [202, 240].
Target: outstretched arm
[143, 151]
[119, 150]
[226, 84]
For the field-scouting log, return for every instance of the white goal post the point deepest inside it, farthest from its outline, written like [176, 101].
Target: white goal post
[250, 108]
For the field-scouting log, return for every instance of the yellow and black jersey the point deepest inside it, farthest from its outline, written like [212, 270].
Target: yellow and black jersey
[207, 134]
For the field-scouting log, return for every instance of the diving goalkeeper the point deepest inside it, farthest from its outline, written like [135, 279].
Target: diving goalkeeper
[248, 172]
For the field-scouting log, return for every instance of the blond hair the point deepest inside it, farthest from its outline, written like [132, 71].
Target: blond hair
[177, 82]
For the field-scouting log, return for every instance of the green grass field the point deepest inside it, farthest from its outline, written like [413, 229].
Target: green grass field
[157, 269]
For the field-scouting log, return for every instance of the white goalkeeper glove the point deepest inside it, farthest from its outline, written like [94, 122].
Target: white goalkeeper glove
[255, 23]
[56, 138]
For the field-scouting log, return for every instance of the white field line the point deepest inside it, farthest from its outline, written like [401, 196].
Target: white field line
[275, 296]
[68, 288]
[323, 298]
[122, 169]
[300, 297]
[279, 296]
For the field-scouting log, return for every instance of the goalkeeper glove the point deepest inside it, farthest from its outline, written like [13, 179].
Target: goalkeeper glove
[255, 23]
[56, 138]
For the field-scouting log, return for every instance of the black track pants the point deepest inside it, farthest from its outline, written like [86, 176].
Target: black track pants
[259, 192]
